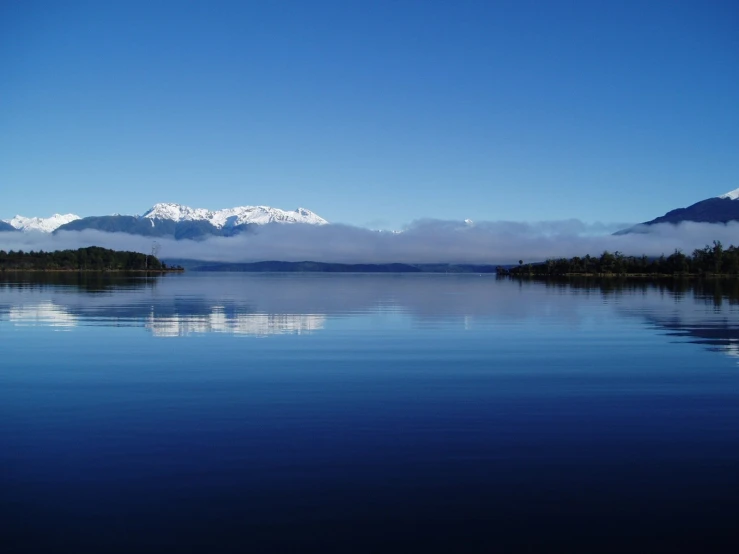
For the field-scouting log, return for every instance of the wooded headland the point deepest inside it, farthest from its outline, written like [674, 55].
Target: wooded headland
[93, 258]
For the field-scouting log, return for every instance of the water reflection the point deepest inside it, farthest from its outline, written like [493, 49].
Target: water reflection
[481, 407]
[710, 291]
[704, 312]
[85, 281]
[44, 314]
[718, 332]
[258, 325]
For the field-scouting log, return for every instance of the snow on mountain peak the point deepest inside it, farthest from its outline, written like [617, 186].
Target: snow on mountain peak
[46, 225]
[231, 217]
[732, 195]
[175, 212]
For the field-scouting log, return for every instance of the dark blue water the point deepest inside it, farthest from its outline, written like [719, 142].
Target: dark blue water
[345, 413]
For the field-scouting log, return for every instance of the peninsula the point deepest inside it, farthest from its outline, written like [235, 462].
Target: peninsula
[712, 260]
[93, 258]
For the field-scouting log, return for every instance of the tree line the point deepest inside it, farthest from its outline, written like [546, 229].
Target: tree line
[93, 258]
[711, 260]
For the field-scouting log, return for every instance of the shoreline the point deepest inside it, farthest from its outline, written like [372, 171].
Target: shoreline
[624, 275]
[101, 271]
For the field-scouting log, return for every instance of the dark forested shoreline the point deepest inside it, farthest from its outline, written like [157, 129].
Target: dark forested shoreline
[711, 260]
[93, 258]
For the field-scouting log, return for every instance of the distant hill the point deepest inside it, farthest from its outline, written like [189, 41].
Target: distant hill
[6, 227]
[323, 267]
[721, 209]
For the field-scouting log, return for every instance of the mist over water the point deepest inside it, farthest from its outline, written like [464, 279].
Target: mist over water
[424, 241]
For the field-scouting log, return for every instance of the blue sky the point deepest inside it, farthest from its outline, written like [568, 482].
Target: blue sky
[369, 113]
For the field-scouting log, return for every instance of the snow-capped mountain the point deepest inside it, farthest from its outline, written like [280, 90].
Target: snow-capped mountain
[720, 209]
[232, 217]
[731, 195]
[173, 220]
[46, 225]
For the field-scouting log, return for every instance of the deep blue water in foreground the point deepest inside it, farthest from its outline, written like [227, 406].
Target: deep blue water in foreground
[365, 413]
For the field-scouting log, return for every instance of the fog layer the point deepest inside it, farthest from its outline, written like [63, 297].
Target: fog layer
[425, 241]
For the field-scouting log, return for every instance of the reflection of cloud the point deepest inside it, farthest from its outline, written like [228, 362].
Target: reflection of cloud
[260, 325]
[44, 314]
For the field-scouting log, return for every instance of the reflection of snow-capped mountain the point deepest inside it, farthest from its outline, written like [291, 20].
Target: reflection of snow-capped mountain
[45, 314]
[49, 314]
[260, 325]
[731, 349]
[697, 319]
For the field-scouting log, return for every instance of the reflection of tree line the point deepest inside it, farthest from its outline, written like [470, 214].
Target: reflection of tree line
[714, 291]
[711, 260]
[85, 281]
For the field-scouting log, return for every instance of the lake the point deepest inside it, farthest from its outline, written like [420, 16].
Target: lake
[367, 413]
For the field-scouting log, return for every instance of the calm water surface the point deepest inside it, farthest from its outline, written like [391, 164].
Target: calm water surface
[345, 413]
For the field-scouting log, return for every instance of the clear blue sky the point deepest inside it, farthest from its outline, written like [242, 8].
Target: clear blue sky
[371, 113]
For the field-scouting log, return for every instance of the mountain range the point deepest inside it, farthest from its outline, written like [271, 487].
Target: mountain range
[175, 220]
[183, 222]
[720, 209]
[45, 225]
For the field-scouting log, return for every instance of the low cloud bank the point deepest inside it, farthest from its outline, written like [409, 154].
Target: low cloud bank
[424, 241]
